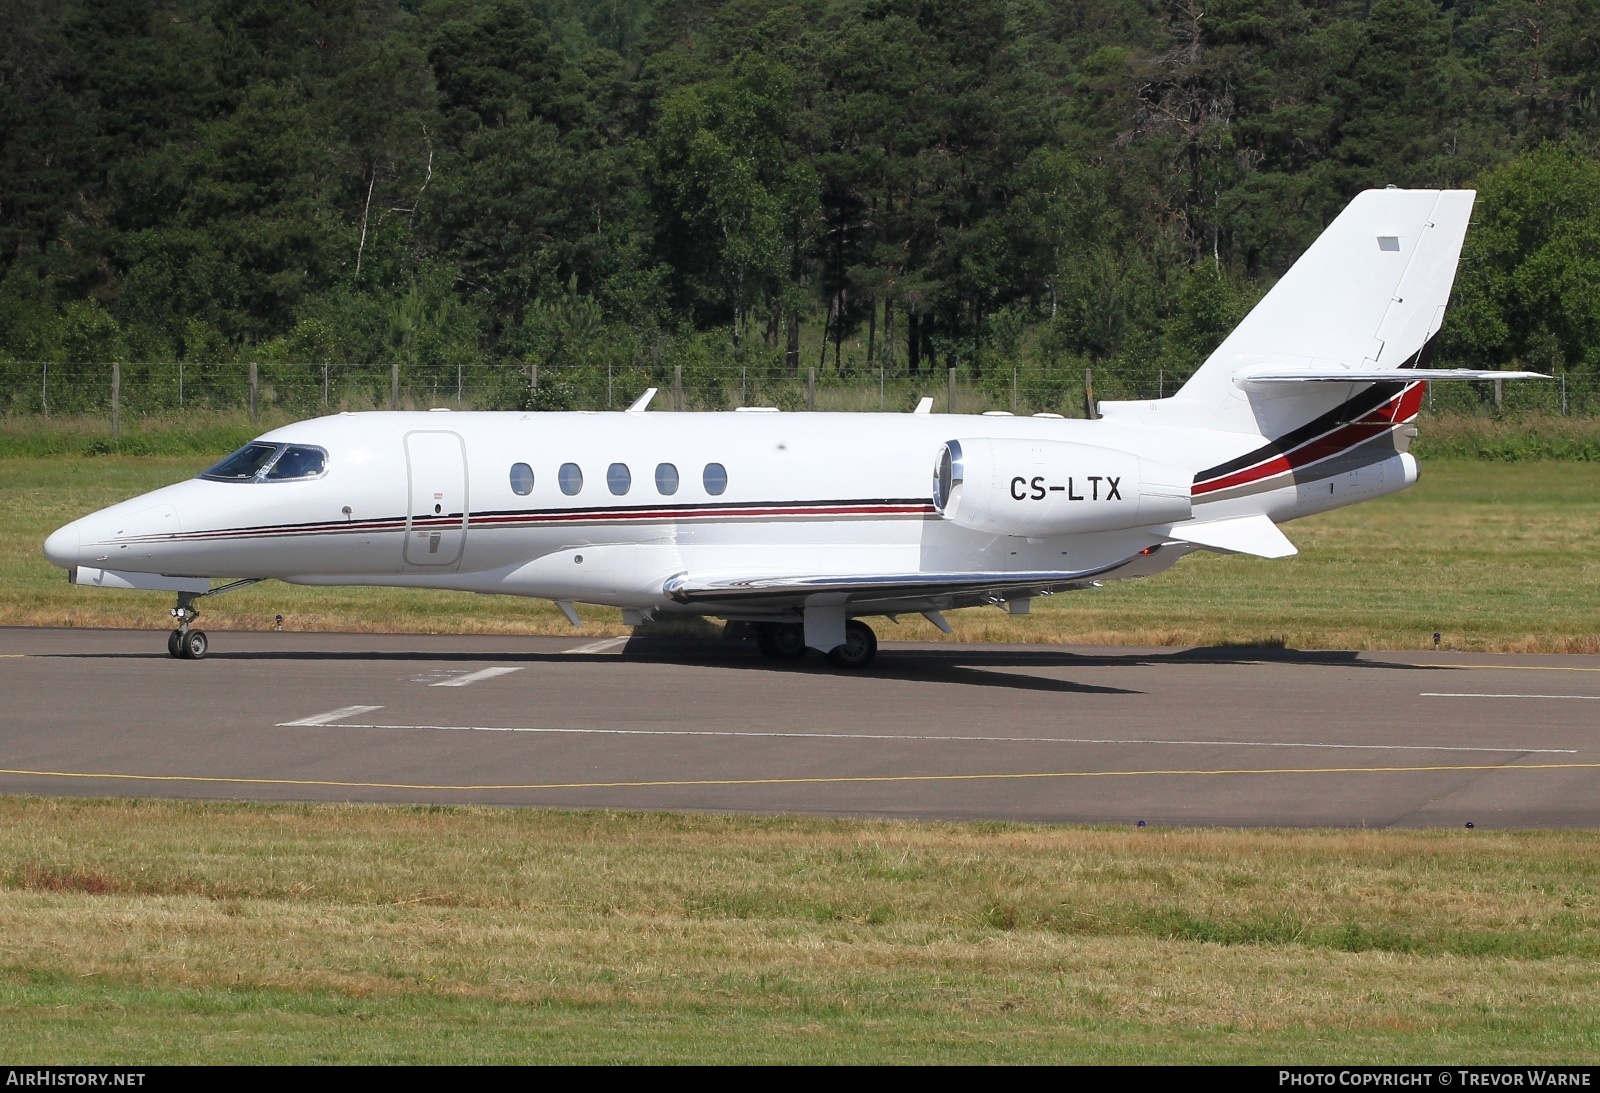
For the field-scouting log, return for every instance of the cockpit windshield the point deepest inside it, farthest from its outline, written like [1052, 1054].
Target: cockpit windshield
[262, 462]
[243, 465]
[298, 461]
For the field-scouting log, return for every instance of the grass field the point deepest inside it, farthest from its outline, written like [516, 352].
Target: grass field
[1494, 555]
[149, 932]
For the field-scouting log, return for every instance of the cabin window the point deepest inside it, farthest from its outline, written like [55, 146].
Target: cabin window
[715, 479]
[298, 461]
[243, 465]
[666, 479]
[571, 478]
[521, 479]
[618, 478]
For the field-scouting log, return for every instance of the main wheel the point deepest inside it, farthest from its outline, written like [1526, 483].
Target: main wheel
[780, 640]
[175, 644]
[860, 646]
[194, 644]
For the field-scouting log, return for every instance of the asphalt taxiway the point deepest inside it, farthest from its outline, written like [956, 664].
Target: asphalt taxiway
[1239, 737]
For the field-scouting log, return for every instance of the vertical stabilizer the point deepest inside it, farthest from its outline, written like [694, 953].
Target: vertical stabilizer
[1369, 293]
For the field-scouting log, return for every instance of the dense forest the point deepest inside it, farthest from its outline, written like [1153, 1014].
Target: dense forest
[478, 187]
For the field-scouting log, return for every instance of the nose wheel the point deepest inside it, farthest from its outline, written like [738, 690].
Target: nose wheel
[186, 643]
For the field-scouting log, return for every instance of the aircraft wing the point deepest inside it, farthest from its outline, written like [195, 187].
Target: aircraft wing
[958, 589]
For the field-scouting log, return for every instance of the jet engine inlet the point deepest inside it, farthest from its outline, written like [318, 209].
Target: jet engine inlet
[947, 475]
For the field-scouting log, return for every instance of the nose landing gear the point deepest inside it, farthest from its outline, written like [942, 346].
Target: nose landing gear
[186, 642]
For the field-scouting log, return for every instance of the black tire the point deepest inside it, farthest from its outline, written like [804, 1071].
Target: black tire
[175, 645]
[859, 648]
[195, 644]
[780, 640]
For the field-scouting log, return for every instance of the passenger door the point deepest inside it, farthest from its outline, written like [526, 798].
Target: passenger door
[436, 519]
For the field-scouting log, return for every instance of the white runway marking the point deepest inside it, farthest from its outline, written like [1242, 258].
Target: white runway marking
[605, 646]
[1464, 694]
[474, 677]
[961, 739]
[331, 716]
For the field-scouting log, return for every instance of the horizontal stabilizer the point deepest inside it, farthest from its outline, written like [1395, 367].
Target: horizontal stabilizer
[1256, 377]
[154, 582]
[1255, 535]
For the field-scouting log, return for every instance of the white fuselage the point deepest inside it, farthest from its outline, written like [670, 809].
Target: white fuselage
[432, 500]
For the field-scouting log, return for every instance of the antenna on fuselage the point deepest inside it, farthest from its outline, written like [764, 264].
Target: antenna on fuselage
[641, 403]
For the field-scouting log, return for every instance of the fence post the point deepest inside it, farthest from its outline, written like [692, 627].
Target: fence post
[1013, 388]
[44, 389]
[608, 385]
[950, 393]
[533, 382]
[1161, 383]
[811, 385]
[1088, 394]
[255, 390]
[882, 404]
[677, 388]
[1563, 394]
[116, 399]
[1499, 394]
[180, 385]
[744, 395]
[394, 383]
[324, 385]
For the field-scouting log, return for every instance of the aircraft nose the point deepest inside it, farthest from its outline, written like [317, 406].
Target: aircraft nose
[63, 546]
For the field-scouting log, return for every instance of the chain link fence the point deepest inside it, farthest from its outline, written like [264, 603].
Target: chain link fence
[121, 393]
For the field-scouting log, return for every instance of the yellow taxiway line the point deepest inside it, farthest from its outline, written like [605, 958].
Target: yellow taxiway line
[1508, 667]
[831, 780]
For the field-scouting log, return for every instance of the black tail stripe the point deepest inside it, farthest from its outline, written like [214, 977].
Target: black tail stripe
[1345, 412]
[1342, 414]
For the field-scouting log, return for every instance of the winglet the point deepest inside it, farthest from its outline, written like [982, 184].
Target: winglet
[1255, 535]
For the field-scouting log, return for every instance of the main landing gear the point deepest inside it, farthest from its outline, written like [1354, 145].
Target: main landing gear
[787, 641]
[186, 642]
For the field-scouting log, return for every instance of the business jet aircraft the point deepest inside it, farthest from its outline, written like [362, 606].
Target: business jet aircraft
[800, 524]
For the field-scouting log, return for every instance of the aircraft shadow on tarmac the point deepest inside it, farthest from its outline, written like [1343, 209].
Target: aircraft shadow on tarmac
[963, 666]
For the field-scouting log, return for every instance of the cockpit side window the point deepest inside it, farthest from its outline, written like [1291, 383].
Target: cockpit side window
[298, 461]
[243, 465]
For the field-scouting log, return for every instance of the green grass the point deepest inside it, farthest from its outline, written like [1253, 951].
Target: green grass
[1494, 555]
[150, 932]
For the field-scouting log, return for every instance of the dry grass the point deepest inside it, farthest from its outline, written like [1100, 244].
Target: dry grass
[619, 936]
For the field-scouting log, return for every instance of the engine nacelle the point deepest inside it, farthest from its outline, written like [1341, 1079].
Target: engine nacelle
[1040, 488]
